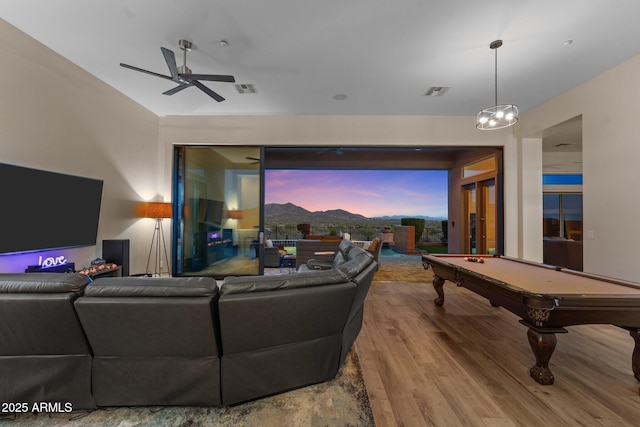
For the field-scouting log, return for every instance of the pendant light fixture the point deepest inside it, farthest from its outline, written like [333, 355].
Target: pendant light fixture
[498, 116]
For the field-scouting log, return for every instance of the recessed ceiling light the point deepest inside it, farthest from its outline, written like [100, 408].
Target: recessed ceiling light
[340, 97]
[223, 43]
[568, 42]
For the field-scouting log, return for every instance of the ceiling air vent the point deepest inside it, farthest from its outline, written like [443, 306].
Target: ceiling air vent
[246, 88]
[437, 90]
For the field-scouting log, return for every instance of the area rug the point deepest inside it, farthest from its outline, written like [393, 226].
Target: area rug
[342, 401]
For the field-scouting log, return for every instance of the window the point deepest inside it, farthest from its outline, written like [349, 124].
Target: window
[479, 167]
[562, 215]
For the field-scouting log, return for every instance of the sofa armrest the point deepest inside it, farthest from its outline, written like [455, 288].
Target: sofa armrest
[320, 264]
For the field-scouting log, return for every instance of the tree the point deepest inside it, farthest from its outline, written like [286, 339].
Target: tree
[305, 229]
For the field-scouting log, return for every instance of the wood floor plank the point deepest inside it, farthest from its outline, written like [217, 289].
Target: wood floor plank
[467, 363]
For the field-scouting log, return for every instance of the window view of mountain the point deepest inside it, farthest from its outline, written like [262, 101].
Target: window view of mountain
[281, 220]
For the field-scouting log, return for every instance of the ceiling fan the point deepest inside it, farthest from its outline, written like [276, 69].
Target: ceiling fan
[182, 74]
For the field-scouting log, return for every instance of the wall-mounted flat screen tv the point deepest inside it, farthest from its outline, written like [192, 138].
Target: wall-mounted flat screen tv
[45, 210]
[210, 211]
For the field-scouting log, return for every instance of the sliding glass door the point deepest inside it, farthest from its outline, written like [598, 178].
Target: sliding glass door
[218, 197]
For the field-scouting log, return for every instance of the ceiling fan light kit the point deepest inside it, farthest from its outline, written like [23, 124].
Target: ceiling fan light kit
[497, 116]
[183, 75]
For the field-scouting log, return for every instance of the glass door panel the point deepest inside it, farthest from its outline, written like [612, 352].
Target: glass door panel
[480, 211]
[562, 215]
[487, 230]
[470, 214]
[550, 215]
[572, 216]
[218, 193]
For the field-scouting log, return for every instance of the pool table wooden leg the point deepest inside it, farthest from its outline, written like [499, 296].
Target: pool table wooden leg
[542, 345]
[635, 357]
[438, 284]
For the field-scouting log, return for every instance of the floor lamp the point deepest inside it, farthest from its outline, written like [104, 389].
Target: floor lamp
[157, 211]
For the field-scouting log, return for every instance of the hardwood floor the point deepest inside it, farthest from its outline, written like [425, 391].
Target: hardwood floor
[467, 363]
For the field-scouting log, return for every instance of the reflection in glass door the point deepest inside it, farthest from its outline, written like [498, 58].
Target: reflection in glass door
[470, 231]
[480, 208]
[218, 195]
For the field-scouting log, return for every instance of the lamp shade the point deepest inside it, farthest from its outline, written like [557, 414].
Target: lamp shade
[154, 210]
[235, 214]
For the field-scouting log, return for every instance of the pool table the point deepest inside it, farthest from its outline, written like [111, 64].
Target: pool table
[546, 298]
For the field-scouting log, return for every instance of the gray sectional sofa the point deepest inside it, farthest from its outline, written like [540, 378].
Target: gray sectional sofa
[177, 341]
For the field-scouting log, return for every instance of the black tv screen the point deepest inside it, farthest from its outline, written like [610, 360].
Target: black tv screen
[46, 210]
[210, 211]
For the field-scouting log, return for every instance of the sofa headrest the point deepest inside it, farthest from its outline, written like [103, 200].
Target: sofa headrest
[359, 259]
[345, 246]
[12, 283]
[245, 284]
[152, 287]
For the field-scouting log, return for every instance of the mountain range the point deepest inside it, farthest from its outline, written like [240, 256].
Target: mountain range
[288, 213]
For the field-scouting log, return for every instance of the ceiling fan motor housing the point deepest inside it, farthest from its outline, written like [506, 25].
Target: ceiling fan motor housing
[185, 44]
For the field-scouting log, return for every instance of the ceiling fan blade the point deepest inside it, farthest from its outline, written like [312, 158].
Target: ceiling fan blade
[209, 77]
[131, 67]
[177, 89]
[170, 59]
[208, 91]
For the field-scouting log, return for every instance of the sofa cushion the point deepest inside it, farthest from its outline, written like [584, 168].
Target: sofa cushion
[345, 246]
[17, 283]
[359, 259]
[242, 284]
[152, 287]
[338, 260]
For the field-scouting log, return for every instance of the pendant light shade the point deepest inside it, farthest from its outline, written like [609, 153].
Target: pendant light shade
[497, 116]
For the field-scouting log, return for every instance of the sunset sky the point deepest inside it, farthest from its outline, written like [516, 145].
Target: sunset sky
[367, 192]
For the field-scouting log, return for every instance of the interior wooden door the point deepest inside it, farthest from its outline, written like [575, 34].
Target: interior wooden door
[480, 212]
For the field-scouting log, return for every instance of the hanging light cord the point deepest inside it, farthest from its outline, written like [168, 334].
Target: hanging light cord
[496, 73]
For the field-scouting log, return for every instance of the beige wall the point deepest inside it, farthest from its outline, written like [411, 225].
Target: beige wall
[55, 116]
[610, 106]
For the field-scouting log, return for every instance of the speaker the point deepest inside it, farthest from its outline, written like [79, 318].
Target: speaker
[117, 251]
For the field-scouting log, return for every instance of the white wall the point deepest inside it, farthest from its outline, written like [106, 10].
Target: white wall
[610, 108]
[530, 193]
[55, 116]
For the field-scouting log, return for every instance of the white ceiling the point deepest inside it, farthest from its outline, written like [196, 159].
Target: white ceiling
[382, 54]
